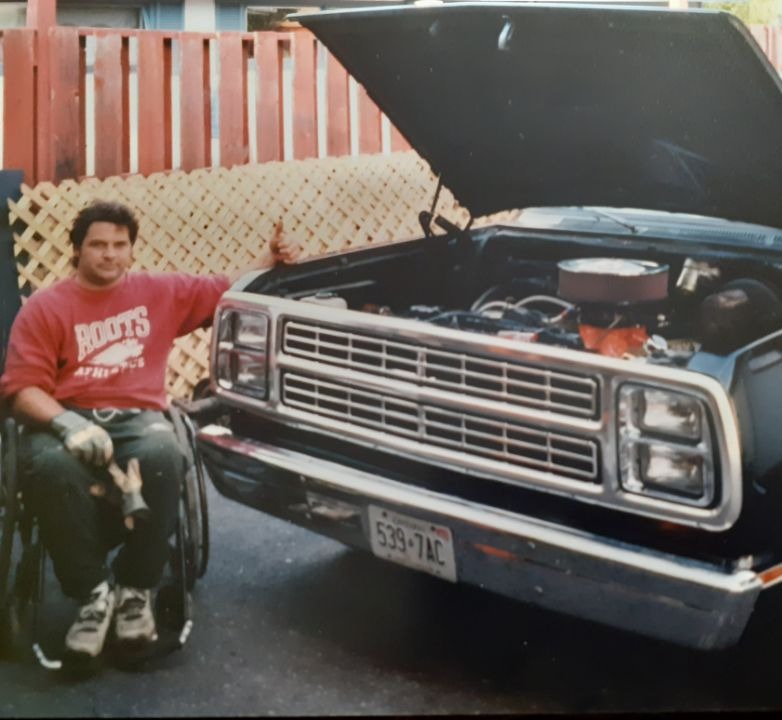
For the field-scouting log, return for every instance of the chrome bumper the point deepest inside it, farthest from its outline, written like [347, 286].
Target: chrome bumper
[630, 587]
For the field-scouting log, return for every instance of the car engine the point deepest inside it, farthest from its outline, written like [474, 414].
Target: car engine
[618, 307]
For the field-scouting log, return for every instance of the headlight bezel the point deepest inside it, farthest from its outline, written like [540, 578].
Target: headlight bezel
[635, 437]
[237, 348]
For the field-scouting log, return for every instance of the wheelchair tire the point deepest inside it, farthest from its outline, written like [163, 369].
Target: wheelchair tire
[199, 506]
[188, 494]
[19, 610]
[203, 509]
[187, 533]
[194, 491]
[173, 604]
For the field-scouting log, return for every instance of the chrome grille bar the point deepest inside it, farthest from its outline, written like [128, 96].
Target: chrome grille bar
[518, 384]
[509, 442]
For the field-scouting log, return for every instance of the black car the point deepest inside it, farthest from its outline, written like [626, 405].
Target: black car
[581, 407]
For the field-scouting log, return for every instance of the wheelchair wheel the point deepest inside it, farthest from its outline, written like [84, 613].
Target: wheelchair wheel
[24, 590]
[22, 560]
[173, 604]
[11, 608]
[187, 540]
[9, 545]
[194, 494]
[21, 611]
[201, 516]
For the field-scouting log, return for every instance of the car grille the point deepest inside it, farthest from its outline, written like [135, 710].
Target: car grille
[463, 431]
[523, 385]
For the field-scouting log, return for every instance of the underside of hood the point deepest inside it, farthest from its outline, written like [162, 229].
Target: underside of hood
[533, 105]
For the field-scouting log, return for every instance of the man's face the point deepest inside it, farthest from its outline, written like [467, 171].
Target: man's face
[104, 256]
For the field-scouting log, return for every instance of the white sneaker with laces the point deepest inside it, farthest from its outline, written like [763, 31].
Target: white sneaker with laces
[87, 635]
[134, 621]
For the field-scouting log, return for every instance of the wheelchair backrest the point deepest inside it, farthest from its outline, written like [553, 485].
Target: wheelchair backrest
[10, 300]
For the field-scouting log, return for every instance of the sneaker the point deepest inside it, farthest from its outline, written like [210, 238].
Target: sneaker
[134, 622]
[88, 633]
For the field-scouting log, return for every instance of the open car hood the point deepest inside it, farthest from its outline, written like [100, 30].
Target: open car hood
[529, 105]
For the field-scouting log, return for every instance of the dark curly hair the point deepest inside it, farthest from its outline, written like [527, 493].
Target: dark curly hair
[102, 211]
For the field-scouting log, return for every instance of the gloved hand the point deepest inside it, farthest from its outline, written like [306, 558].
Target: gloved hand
[84, 439]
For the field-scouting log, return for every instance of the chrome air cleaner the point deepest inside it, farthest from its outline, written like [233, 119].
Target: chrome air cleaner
[612, 280]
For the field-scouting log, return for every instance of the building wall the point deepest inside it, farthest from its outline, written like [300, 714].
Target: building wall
[230, 16]
[163, 16]
[144, 14]
[196, 15]
[199, 15]
[12, 14]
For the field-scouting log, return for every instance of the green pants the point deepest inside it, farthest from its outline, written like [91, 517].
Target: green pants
[78, 529]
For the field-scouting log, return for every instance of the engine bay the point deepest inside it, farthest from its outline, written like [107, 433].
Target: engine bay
[646, 307]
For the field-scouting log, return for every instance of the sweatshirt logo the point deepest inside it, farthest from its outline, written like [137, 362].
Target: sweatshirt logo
[118, 353]
[110, 346]
[96, 335]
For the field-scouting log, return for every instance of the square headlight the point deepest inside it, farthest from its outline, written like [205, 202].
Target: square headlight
[251, 330]
[249, 372]
[662, 412]
[247, 329]
[662, 469]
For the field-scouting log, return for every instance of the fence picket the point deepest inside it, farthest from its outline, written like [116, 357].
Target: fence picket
[370, 138]
[109, 117]
[337, 99]
[194, 98]
[268, 108]
[234, 142]
[305, 129]
[19, 102]
[66, 153]
[153, 104]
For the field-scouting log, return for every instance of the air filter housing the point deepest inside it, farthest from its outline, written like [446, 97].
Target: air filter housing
[617, 281]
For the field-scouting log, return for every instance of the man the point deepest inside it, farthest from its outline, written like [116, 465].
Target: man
[85, 374]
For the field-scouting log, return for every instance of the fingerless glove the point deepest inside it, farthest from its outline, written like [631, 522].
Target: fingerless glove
[83, 439]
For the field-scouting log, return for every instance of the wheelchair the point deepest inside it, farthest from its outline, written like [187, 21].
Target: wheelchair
[23, 557]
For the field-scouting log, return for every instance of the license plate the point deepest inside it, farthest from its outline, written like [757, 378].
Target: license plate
[412, 542]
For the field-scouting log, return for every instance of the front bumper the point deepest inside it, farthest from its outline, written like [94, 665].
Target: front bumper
[585, 575]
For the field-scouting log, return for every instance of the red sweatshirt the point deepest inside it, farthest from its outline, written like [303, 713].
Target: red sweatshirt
[107, 348]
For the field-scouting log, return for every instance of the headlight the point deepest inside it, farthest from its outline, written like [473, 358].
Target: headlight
[663, 412]
[250, 331]
[241, 359]
[664, 469]
[665, 446]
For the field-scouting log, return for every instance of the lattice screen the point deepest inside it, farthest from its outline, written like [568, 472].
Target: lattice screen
[217, 220]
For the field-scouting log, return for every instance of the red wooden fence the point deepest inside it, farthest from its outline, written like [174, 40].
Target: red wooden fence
[46, 74]
[47, 79]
